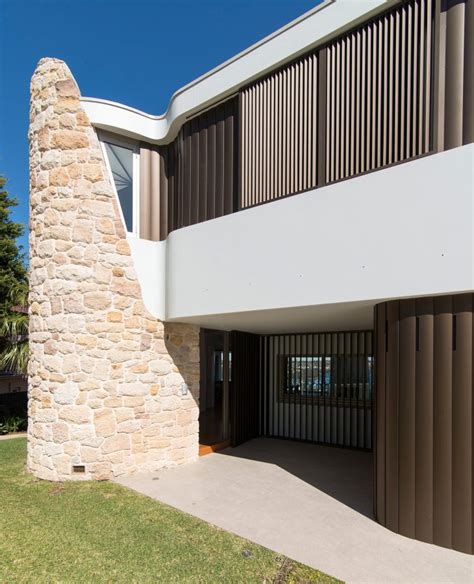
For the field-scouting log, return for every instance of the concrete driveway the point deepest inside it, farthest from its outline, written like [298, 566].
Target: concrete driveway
[311, 503]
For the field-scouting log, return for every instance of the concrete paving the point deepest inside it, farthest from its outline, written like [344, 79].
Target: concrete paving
[14, 435]
[311, 503]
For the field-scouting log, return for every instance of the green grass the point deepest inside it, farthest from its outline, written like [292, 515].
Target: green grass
[100, 532]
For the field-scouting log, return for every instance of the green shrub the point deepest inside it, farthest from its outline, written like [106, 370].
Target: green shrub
[13, 424]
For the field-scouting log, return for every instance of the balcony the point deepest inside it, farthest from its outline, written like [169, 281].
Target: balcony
[322, 259]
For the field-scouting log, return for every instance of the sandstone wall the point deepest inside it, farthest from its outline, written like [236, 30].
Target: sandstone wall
[105, 377]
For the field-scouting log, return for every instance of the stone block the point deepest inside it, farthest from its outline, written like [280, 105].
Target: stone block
[115, 316]
[66, 393]
[97, 300]
[132, 389]
[75, 414]
[82, 231]
[89, 454]
[104, 421]
[116, 443]
[69, 140]
[59, 177]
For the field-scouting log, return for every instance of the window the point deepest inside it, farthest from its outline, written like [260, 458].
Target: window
[219, 366]
[336, 376]
[308, 375]
[122, 161]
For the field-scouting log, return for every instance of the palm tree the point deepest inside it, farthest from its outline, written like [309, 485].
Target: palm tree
[14, 331]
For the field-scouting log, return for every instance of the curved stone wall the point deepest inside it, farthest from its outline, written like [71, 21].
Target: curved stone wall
[424, 419]
[105, 377]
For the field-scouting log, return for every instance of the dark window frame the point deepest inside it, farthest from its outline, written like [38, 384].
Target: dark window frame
[337, 370]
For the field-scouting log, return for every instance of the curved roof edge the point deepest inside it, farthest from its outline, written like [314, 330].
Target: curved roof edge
[306, 32]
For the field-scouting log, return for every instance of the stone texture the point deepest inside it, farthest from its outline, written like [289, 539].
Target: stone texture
[105, 376]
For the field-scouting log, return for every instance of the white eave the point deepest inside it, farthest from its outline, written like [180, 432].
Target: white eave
[313, 28]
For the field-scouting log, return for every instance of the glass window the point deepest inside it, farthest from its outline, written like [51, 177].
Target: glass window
[308, 375]
[219, 366]
[342, 376]
[121, 166]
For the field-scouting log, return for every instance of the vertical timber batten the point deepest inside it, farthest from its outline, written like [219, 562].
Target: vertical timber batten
[394, 88]
[424, 426]
[317, 388]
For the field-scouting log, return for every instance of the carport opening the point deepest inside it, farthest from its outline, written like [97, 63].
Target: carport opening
[312, 392]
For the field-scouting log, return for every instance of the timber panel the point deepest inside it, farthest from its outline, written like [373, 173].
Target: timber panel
[279, 133]
[244, 387]
[203, 167]
[379, 92]
[424, 389]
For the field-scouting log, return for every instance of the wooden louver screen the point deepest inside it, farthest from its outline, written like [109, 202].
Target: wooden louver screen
[197, 173]
[394, 88]
[318, 387]
[424, 396]
[379, 92]
[362, 102]
[279, 133]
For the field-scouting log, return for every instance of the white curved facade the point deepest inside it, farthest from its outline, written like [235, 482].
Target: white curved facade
[322, 259]
[333, 276]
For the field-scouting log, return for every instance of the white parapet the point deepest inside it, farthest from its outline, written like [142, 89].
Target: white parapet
[399, 232]
[149, 258]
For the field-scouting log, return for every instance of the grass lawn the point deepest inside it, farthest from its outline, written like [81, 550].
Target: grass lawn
[100, 532]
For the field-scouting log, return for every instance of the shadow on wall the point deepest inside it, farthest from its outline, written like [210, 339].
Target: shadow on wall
[182, 344]
[341, 473]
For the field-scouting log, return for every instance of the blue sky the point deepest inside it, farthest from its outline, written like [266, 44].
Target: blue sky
[137, 52]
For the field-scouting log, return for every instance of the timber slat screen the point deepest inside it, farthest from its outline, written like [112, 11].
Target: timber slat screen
[398, 86]
[362, 102]
[198, 170]
[318, 387]
[379, 92]
[424, 445]
[279, 128]
[154, 186]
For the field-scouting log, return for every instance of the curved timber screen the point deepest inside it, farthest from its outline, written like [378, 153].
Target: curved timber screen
[424, 419]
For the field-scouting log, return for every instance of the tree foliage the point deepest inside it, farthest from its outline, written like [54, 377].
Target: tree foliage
[13, 290]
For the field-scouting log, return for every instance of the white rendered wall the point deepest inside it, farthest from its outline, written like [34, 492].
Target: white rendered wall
[399, 232]
[149, 258]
